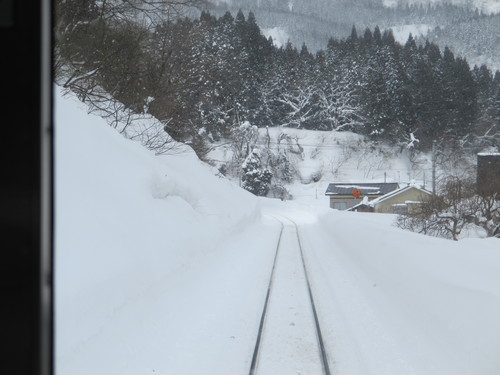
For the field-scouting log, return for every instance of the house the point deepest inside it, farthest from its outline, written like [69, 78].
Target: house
[400, 201]
[346, 195]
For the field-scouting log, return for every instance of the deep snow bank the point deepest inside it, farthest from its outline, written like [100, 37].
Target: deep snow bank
[438, 298]
[126, 218]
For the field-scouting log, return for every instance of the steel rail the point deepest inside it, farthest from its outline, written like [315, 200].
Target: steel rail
[324, 357]
[323, 354]
[253, 365]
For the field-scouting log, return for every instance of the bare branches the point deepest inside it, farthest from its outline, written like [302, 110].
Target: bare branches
[147, 12]
[456, 206]
[338, 105]
[300, 105]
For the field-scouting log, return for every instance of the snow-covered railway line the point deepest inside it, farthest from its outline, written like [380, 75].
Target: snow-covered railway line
[289, 340]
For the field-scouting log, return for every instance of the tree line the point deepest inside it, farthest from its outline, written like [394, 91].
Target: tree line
[204, 77]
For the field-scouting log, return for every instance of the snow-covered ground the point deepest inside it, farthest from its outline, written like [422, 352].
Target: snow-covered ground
[395, 302]
[322, 157]
[401, 33]
[162, 267]
[147, 251]
[279, 35]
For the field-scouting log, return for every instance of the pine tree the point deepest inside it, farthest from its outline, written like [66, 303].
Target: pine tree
[255, 179]
[487, 122]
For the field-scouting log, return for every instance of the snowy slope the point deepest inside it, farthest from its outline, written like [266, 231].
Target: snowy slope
[401, 33]
[126, 198]
[485, 6]
[278, 34]
[331, 156]
[126, 221]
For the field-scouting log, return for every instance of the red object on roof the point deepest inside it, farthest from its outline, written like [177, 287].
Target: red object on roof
[356, 193]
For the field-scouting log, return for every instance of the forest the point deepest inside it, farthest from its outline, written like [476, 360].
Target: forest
[204, 77]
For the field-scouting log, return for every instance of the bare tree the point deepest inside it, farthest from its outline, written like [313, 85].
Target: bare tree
[146, 12]
[99, 55]
[488, 214]
[300, 105]
[456, 206]
[142, 127]
[338, 106]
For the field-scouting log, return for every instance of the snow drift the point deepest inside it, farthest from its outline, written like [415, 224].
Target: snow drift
[124, 220]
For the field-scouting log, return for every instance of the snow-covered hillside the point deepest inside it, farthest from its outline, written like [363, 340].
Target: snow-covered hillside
[485, 6]
[278, 34]
[401, 33]
[322, 157]
[162, 267]
[314, 22]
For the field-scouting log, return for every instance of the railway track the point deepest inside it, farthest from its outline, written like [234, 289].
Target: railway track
[289, 340]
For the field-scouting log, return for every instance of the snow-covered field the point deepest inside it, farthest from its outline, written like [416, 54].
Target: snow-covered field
[162, 268]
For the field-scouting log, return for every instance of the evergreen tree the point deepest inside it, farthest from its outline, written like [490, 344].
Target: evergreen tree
[255, 178]
[487, 123]
[205, 77]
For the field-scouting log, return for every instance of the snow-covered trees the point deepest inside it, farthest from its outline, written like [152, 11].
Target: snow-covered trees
[243, 140]
[255, 178]
[204, 77]
[263, 163]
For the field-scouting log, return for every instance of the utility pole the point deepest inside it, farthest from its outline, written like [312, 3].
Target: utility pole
[434, 167]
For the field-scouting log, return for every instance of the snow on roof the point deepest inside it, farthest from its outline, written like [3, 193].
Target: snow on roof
[378, 188]
[489, 154]
[358, 187]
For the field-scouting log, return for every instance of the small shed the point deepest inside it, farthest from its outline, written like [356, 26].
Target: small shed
[400, 201]
[488, 173]
[344, 195]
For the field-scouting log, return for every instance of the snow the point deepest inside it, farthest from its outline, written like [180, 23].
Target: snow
[340, 157]
[485, 6]
[357, 187]
[162, 267]
[289, 322]
[129, 228]
[401, 34]
[280, 35]
[399, 302]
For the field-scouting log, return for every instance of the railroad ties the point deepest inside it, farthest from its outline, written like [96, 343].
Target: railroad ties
[289, 340]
